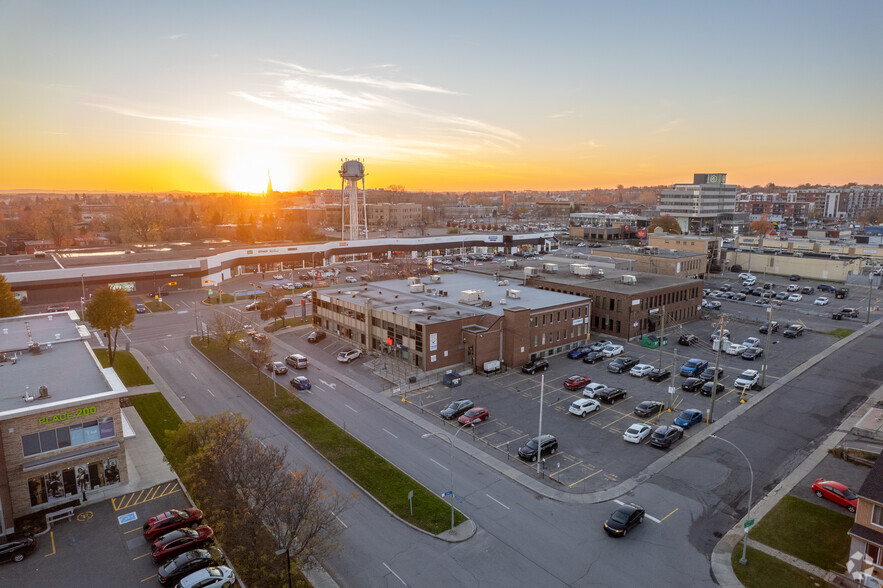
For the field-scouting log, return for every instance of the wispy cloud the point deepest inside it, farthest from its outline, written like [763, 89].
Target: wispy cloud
[362, 79]
[186, 121]
[669, 126]
[563, 114]
[177, 36]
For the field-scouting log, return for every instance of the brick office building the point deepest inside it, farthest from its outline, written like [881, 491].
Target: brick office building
[653, 260]
[61, 429]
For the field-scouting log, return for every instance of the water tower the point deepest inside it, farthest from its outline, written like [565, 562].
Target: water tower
[353, 212]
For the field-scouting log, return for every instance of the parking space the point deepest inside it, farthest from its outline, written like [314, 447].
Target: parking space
[102, 545]
[833, 469]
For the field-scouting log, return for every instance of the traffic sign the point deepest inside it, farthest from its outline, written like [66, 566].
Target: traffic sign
[128, 517]
[748, 524]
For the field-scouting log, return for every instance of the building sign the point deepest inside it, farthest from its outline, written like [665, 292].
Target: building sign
[433, 341]
[636, 302]
[79, 412]
[493, 238]
[124, 286]
[578, 321]
[678, 268]
[642, 233]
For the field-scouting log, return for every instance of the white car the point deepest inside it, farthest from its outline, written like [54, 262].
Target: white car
[583, 406]
[307, 294]
[747, 379]
[348, 356]
[637, 432]
[751, 342]
[278, 277]
[641, 370]
[735, 349]
[750, 282]
[351, 280]
[611, 350]
[792, 288]
[592, 389]
[288, 286]
[820, 301]
[795, 298]
[210, 577]
[746, 276]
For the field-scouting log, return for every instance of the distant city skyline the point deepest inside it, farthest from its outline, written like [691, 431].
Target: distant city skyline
[132, 97]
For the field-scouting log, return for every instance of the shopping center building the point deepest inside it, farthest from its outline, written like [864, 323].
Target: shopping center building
[61, 428]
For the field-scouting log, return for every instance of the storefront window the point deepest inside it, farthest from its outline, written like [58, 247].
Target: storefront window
[37, 490]
[60, 485]
[105, 427]
[90, 432]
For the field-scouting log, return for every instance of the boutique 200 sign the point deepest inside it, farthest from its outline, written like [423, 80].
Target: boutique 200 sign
[79, 412]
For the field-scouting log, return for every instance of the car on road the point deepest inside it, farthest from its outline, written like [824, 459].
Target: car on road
[621, 364]
[177, 542]
[593, 357]
[210, 577]
[648, 408]
[600, 345]
[752, 353]
[708, 374]
[315, 336]
[707, 387]
[301, 383]
[579, 352]
[583, 406]
[688, 339]
[57, 308]
[456, 408]
[140, 308]
[612, 350]
[348, 356]
[836, 492]
[577, 382]
[473, 416]
[793, 331]
[820, 301]
[169, 521]
[277, 367]
[592, 389]
[693, 367]
[351, 269]
[688, 418]
[850, 312]
[795, 298]
[297, 361]
[637, 432]
[610, 395]
[747, 379]
[774, 325]
[260, 338]
[641, 370]
[659, 374]
[665, 435]
[187, 563]
[624, 519]
[16, 548]
[251, 306]
[547, 444]
[692, 384]
[535, 365]
[350, 280]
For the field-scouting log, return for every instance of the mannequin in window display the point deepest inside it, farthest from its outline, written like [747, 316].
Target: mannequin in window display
[111, 472]
[56, 490]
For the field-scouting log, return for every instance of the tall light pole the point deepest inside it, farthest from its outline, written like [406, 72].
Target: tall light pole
[450, 463]
[870, 284]
[769, 333]
[83, 299]
[744, 559]
[540, 432]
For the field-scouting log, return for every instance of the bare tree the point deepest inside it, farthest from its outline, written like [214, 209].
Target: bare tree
[256, 353]
[225, 328]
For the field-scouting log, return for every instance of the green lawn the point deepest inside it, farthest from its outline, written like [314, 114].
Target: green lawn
[841, 333]
[763, 571]
[377, 476]
[126, 367]
[287, 322]
[810, 532]
[157, 414]
[157, 306]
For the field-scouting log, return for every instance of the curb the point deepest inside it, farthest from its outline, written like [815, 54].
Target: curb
[166, 390]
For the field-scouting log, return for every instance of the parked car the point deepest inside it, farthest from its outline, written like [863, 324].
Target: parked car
[579, 352]
[576, 382]
[713, 305]
[820, 301]
[348, 356]
[735, 349]
[793, 331]
[708, 386]
[688, 339]
[583, 406]
[692, 384]
[795, 298]
[300, 383]
[773, 324]
[781, 296]
[535, 365]
[612, 350]
[807, 290]
[708, 374]
[641, 370]
[747, 379]
[297, 361]
[794, 278]
[693, 367]
[611, 395]
[740, 297]
[277, 367]
[750, 282]
[315, 336]
[593, 357]
[665, 435]
[621, 364]
[746, 276]
[211, 577]
[637, 432]
[659, 374]
[16, 548]
[792, 288]
[752, 353]
[835, 492]
[751, 342]
[717, 333]
[688, 418]
[547, 444]
[474, 416]
[177, 542]
[187, 563]
[648, 408]
[826, 288]
[592, 389]
[600, 345]
[624, 519]
[456, 408]
[170, 520]
[350, 280]
[278, 277]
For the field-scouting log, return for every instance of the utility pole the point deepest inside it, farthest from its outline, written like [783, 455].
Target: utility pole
[674, 363]
[540, 433]
[870, 284]
[717, 363]
[769, 333]
[661, 337]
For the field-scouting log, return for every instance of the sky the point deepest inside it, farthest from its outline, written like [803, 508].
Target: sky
[438, 96]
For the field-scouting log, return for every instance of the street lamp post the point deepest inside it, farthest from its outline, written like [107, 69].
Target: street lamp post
[83, 298]
[870, 285]
[288, 561]
[450, 463]
[744, 559]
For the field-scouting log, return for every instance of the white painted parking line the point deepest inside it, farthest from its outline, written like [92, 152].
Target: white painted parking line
[654, 519]
[351, 408]
[210, 392]
[438, 464]
[390, 434]
[394, 574]
[498, 502]
[619, 502]
[194, 376]
[164, 347]
[178, 359]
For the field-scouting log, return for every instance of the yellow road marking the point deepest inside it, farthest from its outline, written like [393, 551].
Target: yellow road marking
[149, 578]
[625, 416]
[132, 531]
[495, 432]
[669, 514]
[52, 538]
[586, 478]
[568, 467]
[136, 498]
[509, 441]
[140, 556]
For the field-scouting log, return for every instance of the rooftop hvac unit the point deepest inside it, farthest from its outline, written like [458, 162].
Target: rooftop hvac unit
[502, 301]
[575, 266]
[503, 283]
[413, 280]
[551, 268]
[512, 293]
[486, 303]
[629, 280]
[415, 288]
[435, 278]
[583, 271]
[471, 296]
[530, 271]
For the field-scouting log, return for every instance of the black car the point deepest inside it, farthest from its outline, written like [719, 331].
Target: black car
[547, 444]
[793, 331]
[826, 288]
[610, 395]
[794, 278]
[757, 291]
[692, 384]
[707, 386]
[593, 357]
[17, 549]
[456, 408]
[765, 326]
[665, 435]
[708, 374]
[648, 408]
[739, 297]
[187, 563]
[351, 269]
[752, 353]
[534, 366]
[745, 290]
[688, 340]
[622, 364]
[315, 336]
[659, 374]
[623, 519]
[725, 288]
[807, 290]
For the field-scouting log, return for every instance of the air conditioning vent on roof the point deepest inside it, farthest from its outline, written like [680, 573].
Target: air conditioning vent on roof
[632, 280]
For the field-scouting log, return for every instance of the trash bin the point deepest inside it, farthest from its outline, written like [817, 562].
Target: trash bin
[452, 379]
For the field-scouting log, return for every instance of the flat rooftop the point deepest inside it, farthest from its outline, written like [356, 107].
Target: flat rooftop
[667, 253]
[49, 350]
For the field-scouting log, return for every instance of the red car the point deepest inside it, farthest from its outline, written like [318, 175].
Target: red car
[577, 382]
[171, 520]
[835, 492]
[177, 542]
[473, 416]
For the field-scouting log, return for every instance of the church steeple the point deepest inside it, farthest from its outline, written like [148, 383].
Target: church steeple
[269, 184]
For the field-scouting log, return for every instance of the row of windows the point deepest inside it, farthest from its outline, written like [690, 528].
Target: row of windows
[70, 436]
[557, 336]
[555, 317]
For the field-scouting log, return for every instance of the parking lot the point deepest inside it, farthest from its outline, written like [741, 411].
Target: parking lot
[95, 548]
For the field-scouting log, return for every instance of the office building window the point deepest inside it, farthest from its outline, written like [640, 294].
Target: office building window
[70, 436]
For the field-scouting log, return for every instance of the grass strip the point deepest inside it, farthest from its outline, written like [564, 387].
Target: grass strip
[158, 415]
[763, 571]
[126, 367]
[157, 306]
[376, 475]
[841, 333]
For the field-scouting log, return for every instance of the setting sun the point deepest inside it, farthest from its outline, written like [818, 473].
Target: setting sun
[249, 173]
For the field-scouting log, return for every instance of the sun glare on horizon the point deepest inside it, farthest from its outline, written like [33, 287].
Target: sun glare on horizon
[250, 174]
